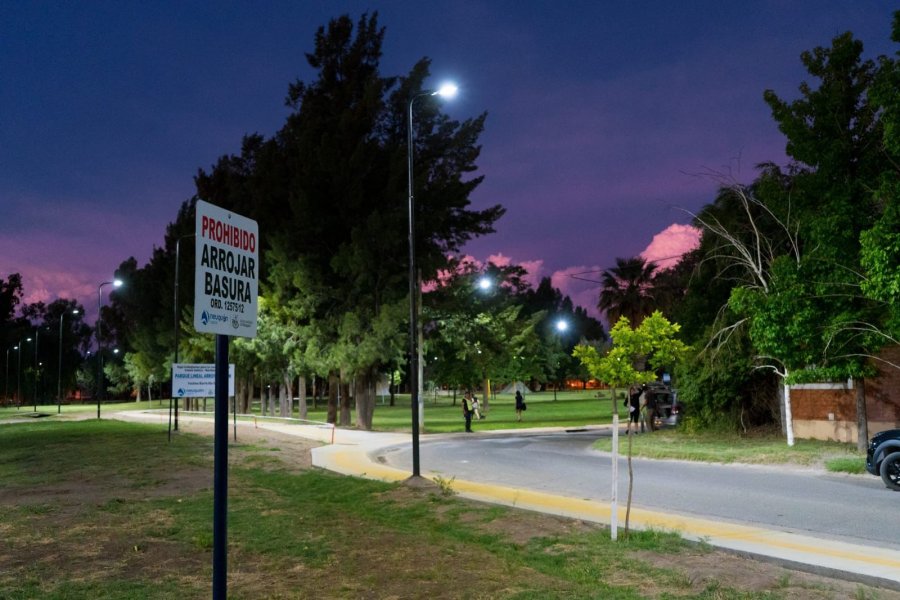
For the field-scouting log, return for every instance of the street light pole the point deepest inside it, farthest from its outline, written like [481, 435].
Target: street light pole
[37, 337]
[114, 283]
[561, 326]
[19, 373]
[6, 379]
[175, 304]
[62, 317]
[446, 91]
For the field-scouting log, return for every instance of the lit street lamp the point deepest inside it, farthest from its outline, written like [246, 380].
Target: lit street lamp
[62, 317]
[114, 283]
[561, 326]
[445, 91]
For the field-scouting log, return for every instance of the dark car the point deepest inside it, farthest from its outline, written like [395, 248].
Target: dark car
[883, 457]
[668, 408]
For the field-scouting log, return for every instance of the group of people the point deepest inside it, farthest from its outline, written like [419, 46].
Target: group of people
[641, 403]
[471, 409]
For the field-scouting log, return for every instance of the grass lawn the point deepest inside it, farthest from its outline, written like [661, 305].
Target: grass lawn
[442, 413]
[104, 509]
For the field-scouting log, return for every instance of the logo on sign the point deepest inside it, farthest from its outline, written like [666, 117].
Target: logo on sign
[208, 317]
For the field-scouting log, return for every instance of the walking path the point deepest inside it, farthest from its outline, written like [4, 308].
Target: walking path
[356, 453]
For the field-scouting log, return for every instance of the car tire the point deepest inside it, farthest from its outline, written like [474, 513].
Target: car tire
[890, 471]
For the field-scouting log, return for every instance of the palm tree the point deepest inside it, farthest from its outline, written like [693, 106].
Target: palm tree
[628, 290]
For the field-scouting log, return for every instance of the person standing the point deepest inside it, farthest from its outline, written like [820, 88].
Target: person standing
[634, 408]
[467, 412]
[648, 408]
[520, 405]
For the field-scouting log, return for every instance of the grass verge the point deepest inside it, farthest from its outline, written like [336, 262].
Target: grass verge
[734, 448]
[111, 510]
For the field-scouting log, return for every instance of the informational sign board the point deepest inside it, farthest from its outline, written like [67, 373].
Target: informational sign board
[226, 280]
[198, 380]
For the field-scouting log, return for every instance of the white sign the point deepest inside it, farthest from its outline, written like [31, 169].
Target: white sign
[226, 280]
[198, 380]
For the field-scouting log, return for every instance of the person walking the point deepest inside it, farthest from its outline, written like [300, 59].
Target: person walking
[467, 412]
[520, 405]
[475, 412]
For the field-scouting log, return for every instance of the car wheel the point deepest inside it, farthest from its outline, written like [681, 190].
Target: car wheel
[890, 471]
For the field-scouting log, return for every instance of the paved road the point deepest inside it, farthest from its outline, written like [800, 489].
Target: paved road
[856, 509]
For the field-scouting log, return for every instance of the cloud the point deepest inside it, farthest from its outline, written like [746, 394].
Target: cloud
[534, 268]
[669, 245]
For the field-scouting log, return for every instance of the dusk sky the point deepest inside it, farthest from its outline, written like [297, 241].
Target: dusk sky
[602, 116]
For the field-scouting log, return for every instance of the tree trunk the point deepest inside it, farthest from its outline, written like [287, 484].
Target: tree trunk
[486, 393]
[391, 387]
[301, 394]
[364, 394]
[333, 385]
[287, 404]
[614, 495]
[315, 388]
[345, 400]
[273, 392]
[862, 417]
[630, 469]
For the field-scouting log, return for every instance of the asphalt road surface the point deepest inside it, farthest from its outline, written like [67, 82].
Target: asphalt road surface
[852, 508]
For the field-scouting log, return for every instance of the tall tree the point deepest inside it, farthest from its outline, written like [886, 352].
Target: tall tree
[627, 290]
[328, 192]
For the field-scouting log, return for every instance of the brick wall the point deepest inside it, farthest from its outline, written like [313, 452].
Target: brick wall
[829, 412]
[883, 392]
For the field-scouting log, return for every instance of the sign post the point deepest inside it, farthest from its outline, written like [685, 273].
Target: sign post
[226, 284]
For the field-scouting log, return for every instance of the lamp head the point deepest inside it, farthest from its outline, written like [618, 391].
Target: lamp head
[484, 283]
[562, 325]
[446, 91]
[117, 283]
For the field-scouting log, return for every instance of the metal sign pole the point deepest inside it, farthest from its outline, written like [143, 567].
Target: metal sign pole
[220, 478]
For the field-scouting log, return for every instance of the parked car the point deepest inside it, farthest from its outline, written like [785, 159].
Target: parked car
[668, 408]
[883, 457]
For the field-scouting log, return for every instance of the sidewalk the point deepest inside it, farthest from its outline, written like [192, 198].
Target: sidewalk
[355, 453]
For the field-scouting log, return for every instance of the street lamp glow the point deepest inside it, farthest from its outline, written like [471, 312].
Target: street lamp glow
[484, 283]
[562, 325]
[446, 91]
[117, 283]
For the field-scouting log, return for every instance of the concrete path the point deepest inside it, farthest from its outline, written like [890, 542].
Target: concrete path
[353, 452]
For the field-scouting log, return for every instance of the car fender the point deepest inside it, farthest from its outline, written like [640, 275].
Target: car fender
[886, 448]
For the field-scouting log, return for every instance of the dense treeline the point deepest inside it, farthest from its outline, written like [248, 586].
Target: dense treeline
[797, 276]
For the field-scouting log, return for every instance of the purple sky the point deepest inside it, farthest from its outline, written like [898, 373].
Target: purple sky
[602, 115]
